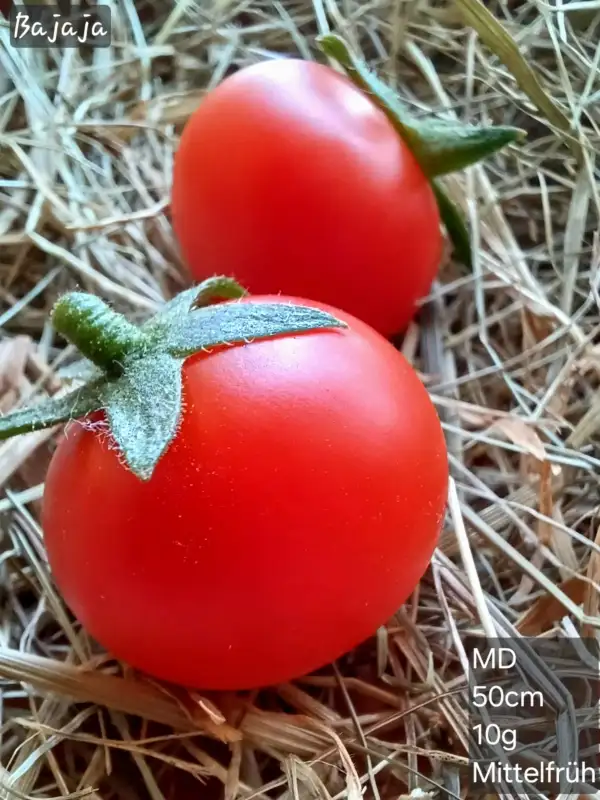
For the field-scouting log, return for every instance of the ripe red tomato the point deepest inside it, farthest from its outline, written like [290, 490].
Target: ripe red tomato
[291, 180]
[294, 512]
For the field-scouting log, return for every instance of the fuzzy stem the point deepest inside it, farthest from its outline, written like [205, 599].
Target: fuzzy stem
[101, 334]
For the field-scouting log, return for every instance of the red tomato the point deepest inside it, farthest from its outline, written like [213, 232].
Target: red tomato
[294, 512]
[291, 180]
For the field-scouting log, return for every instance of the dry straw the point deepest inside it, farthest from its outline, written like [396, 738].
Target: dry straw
[508, 352]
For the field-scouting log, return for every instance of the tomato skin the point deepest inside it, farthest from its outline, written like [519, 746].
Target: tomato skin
[291, 180]
[295, 511]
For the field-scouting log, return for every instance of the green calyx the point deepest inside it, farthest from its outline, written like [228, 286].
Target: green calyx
[134, 373]
[439, 146]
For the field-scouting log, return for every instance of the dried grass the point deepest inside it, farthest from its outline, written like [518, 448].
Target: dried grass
[510, 355]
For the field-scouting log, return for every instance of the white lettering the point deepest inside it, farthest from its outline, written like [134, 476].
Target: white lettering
[511, 658]
[479, 775]
[67, 29]
[83, 37]
[98, 29]
[54, 36]
[37, 29]
[21, 20]
[505, 660]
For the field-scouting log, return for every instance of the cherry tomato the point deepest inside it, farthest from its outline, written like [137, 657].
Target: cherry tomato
[291, 180]
[294, 512]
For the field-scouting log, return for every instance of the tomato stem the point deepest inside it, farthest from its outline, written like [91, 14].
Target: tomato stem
[104, 336]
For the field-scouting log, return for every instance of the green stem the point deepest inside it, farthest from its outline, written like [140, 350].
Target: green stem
[101, 334]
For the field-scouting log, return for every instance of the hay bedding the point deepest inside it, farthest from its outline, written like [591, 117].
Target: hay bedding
[508, 352]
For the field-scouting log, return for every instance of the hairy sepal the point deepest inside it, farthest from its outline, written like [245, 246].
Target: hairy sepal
[141, 395]
[143, 409]
[81, 371]
[203, 294]
[235, 323]
[455, 225]
[56, 410]
[439, 146]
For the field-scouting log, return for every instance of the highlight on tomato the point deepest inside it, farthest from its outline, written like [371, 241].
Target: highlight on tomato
[246, 490]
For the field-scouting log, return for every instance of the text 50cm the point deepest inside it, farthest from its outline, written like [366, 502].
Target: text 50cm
[498, 697]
